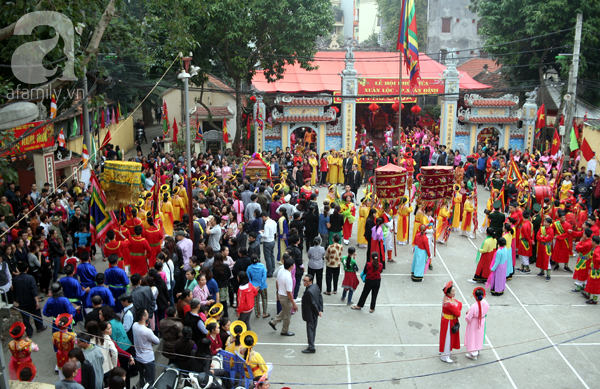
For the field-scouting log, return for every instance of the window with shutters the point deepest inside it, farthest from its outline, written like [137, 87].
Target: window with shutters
[446, 25]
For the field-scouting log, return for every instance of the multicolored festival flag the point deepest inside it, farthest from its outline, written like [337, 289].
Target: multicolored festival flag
[53, 107]
[85, 155]
[61, 139]
[248, 128]
[101, 221]
[408, 42]
[199, 134]
[165, 118]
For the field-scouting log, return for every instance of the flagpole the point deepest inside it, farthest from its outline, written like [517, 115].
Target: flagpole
[399, 103]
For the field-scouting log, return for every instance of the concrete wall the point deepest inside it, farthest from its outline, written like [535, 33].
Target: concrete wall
[216, 99]
[348, 8]
[121, 133]
[463, 34]
[367, 19]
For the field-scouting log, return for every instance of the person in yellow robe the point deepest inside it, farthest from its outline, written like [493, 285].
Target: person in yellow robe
[403, 221]
[456, 201]
[420, 218]
[468, 209]
[333, 167]
[565, 187]
[340, 162]
[540, 178]
[486, 220]
[312, 160]
[443, 220]
[331, 194]
[178, 205]
[167, 216]
[184, 196]
[363, 212]
[360, 153]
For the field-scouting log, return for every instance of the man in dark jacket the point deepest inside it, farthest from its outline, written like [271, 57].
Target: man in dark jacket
[26, 295]
[142, 295]
[296, 255]
[312, 309]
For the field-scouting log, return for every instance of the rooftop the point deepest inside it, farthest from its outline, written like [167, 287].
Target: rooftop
[474, 66]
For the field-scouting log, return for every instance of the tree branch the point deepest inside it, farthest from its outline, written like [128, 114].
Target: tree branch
[9, 31]
[210, 118]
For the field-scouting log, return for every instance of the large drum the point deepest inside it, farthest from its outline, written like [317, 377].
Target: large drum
[542, 191]
[390, 182]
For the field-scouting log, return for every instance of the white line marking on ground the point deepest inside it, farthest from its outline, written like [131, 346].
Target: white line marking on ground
[544, 332]
[353, 345]
[379, 305]
[348, 366]
[486, 337]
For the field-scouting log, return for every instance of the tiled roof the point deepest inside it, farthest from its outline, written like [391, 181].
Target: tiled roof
[220, 84]
[66, 163]
[474, 66]
[494, 120]
[305, 102]
[304, 118]
[217, 112]
[493, 103]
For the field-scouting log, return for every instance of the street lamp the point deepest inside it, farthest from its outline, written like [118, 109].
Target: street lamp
[185, 76]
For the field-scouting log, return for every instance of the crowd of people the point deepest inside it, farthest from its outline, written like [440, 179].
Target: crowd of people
[181, 279]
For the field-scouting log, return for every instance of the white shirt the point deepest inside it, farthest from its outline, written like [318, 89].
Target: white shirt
[143, 339]
[270, 229]
[284, 282]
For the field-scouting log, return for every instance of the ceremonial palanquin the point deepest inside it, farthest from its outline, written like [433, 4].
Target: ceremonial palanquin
[436, 182]
[390, 182]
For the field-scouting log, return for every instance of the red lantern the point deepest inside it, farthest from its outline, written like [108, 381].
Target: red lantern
[335, 109]
[373, 107]
[402, 106]
[396, 106]
[244, 116]
[253, 99]
[416, 109]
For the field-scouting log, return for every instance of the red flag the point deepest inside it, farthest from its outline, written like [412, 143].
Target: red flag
[175, 130]
[107, 139]
[586, 150]
[555, 143]
[225, 133]
[102, 123]
[576, 129]
[248, 128]
[540, 121]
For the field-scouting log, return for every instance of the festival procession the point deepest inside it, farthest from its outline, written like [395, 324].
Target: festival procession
[170, 242]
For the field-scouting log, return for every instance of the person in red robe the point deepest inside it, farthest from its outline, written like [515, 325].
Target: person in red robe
[562, 247]
[120, 248]
[544, 249]
[485, 257]
[154, 236]
[525, 243]
[582, 268]
[139, 251]
[451, 307]
[592, 288]
[134, 221]
[124, 233]
[516, 214]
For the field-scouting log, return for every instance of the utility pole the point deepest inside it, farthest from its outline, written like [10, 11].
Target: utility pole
[572, 88]
[86, 119]
[185, 76]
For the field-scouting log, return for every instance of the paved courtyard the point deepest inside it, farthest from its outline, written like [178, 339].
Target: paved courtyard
[538, 333]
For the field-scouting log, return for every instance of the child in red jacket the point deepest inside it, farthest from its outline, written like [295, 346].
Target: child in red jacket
[245, 297]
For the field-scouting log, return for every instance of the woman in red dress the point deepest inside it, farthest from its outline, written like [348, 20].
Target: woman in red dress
[451, 307]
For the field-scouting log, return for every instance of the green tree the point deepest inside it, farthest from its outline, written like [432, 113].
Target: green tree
[390, 10]
[243, 37]
[545, 21]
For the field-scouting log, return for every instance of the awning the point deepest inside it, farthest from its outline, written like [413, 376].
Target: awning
[370, 65]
